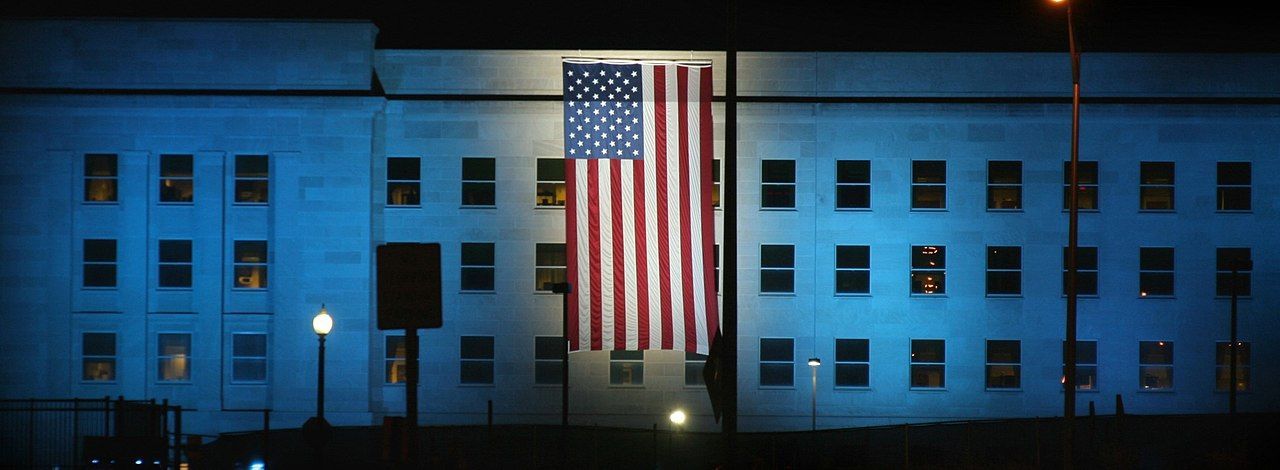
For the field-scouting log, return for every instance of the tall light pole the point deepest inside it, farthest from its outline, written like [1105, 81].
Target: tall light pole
[316, 430]
[1234, 346]
[813, 397]
[1073, 230]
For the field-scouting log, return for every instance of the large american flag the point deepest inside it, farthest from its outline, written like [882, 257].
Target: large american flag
[640, 233]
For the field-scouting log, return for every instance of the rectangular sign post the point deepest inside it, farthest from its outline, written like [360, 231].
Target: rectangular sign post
[409, 298]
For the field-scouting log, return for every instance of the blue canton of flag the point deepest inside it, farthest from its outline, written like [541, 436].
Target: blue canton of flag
[603, 114]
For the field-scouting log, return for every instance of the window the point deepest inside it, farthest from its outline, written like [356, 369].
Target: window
[478, 182]
[550, 265]
[477, 267]
[1155, 272]
[99, 263]
[551, 191]
[777, 184]
[1155, 365]
[1222, 366]
[548, 356]
[1004, 364]
[101, 176]
[777, 269]
[626, 367]
[1004, 185]
[176, 178]
[777, 362]
[404, 181]
[717, 262]
[1234, 191]
[395, 359]
[98, 357]
[250, 265]
[477, 360]
[175, 263]
[1156, 186]
[693, 365]
[853, 363]
[928, 363]
[1086, 270]
[715, 182]
[853, 269]
[928, 184]
[853, 184]
[1087, 194]
[1234, 257]
[249, 358]
[174, 357]
[928, 269]
[252, 179]
[1086, 364]
[1004, 270]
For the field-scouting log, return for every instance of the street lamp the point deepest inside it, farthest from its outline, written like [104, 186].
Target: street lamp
[316, 429]
[813, 398]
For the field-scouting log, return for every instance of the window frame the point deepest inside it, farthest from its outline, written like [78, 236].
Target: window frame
[565, 268]
[264, 358]
[161, 264]
[263, 265]
[989, 271]
[791, 364]
[852, 184]
[924, 185]
[779, 269]
[865, 269]
[189, 179]
[613, 361]
[492, 184]
[1016, 366]
[114, 358]
[1081, 272]
[1222, 364]
[1079, 387]
[835, 371]
[538, 182]
[913, 363]
[391, 362]
[113, 178]
[558, 362]
[1095, 185]
[912, 270]
[86, 263]
[1172, 272]
[1246, 275]
[994, 186]
[1247, 187]
[463, 267]
[189, 357]
[1144, 186]
[1143, 365]
[490, 362]
[238, 178]
[778, 185]
[693, 359]
[717, 175]
[416, 183]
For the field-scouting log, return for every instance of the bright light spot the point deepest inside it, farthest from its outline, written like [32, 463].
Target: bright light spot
[257, 466]
[137, 462]
[677, 417]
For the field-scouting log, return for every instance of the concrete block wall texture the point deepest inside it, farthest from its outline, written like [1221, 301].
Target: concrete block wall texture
[327, 211]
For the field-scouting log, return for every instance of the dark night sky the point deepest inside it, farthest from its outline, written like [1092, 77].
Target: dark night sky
[872, 25]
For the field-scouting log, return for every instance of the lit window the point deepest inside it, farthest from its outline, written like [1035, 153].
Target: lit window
[853, 269]
[249, 358]
[928, 269]
[548, 356]
[626, 367]
[253, 178]
[174, 357]
[1004, 185]
[1222, 366]
[1086, 270]
[99, 263]
[477, 360]
[477, 267]
[1004, 270]
[777, 269]
[853, 184]
[394, 359]
[1156, 187]
[1234, 257]
[101, 176]
[777, 362]
[478, 182]
[1234, 186]
[928, 363]
[1086, 364]
[853, 363]
[551, 190]
[777, 184]
[1155, 365]
[404, 180]
[250, 268]
[693, 365]
[551, 266]
[176, 178]
[715, 183]
[98, 351]
[1004, 364]
[1087, 195]
[175, 263]
[928, 184]
[1155, 272]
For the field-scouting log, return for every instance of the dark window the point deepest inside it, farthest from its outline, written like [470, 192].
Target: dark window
[479, 182]
[928, 269]
[1222, 366]
[548, 355]
[477, 360]
[176, 178]
[1155, 365]
[626, 367]
[853, 184]
[928, 184]
[101, 176]
[853, 362]
[99, 263]
[1087, 192]
[1004, 270]
[853, 269]
[1156, 188]
[174, 357]
[253, 178]
[715, 183]
[249, 358]
[175, 263]
[404, 181]
[1086, 364]
[551, 190]
[98, 351]
[717, 261]
[1004, 185]
[777, 362]
[928, 363]
[1004, 364]
[693, 365]
[1155, 272]
[1234, 257]
[250, 268]
[777, 268]
[777, 184]
[477, 267]
[1086, 270]
[551, 265]
[394, 359]
[1235, 192]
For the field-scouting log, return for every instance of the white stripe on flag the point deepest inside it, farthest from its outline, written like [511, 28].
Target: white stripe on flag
[583, 289]
[677, 280]
[604, 205]
[651, 214]
[695, 208]
[629, 251]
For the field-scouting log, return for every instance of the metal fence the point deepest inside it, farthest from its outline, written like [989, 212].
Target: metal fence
[45, 433]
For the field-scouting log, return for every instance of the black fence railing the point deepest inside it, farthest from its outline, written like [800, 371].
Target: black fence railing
[90, 433]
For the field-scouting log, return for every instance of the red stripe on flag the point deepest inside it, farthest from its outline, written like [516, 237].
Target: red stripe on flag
[686, 248]
[593, 233]
[642, 264]
[708, 227]
[619, 261]
[664, 250]
[571, 250]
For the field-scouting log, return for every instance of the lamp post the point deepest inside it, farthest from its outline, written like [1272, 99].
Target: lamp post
[316, 429]
[1073, 229]
[1233, 347]
[813, 398]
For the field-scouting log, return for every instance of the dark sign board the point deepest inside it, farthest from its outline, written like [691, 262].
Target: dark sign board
[408, 286]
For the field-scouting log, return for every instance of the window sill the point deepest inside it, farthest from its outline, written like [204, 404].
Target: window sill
[249, 204]
[1227, 297]
[852, 389]
[777, 294]
[403, 206]
[176, 203]
[1082, 211]
[248, 289]
[173, 289]
[928, 296]
[627, 386]
[853, 209]
[174, 382]
[1233, 211]
[480, 207]
[927, 389]
[555, 385]
[547, 207]
[854, 295]
[114, 382]
[1005, 390]
[1004, 296]
[545, 292]
[397, 384]
[1083, 296]
[1155, 390]
[777, 387]
[248, 384]
[1156, 297]
[778, 209]
[929, 209]
[475, 385]
[100, 203]
[1157, 211]
[477, 292]
[992, 209]
[99, 289]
